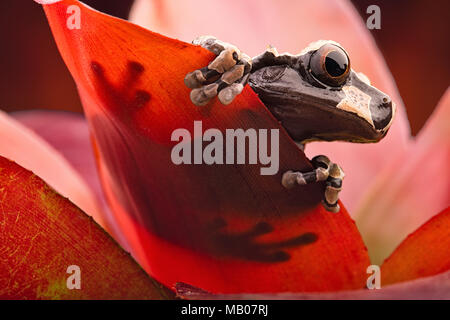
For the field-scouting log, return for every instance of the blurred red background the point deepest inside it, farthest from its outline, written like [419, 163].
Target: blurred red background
[413, 39]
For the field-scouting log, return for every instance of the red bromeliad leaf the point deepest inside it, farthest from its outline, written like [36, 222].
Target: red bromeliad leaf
[224, 228]
[418, 269]
[424, 253]
[42, 234]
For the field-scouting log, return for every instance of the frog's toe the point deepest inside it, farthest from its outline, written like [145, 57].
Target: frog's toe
[226, 91]
[333, 186]
[227, 95]
[206, 75]
[197, 78]
[225, 76]
[335, 208]
[324, 170]
[226, 60]
[227, 87]
[201, 96]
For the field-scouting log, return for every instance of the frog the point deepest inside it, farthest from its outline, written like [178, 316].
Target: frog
[315, 96]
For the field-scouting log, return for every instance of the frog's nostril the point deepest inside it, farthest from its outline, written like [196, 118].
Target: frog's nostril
[383, 115]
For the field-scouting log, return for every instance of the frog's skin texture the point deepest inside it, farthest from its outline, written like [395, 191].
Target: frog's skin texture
[315, 95]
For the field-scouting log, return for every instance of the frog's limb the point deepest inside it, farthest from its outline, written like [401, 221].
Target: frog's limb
[324, 170]
[333, 187]
[229, 72]
[225, 76]
[226, 88]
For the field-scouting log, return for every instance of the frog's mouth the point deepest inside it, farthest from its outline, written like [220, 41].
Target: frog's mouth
[322, 123]
[343, 137]
[365, 117]
[355, 112]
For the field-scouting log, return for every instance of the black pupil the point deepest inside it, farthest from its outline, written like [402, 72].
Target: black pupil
[336, 63]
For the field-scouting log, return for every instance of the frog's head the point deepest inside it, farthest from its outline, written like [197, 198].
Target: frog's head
[324, 99]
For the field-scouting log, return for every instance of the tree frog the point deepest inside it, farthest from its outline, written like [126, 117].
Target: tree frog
[315, 95]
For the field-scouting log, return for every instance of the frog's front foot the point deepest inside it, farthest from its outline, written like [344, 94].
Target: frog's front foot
[225, 76]
[324, 170]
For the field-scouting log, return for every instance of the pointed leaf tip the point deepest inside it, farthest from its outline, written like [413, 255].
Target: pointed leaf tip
[423, 253]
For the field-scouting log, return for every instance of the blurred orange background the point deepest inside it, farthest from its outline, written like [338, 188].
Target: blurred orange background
[413, 39]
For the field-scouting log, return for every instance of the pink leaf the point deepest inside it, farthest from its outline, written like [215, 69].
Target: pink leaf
[412, 188]
[68, 133]
[31, 152]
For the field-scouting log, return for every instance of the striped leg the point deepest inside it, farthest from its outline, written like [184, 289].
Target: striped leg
[324, 170]
[224, 77]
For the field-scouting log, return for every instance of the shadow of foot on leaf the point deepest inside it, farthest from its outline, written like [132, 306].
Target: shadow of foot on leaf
[124, 97]
[244, 245]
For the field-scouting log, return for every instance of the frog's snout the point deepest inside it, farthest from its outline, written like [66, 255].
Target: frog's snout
[381, 109]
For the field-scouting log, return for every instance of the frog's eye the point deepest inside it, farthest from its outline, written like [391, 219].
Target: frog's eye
[330, 65]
